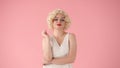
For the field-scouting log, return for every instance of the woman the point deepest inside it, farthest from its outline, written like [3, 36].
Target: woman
[59, 50]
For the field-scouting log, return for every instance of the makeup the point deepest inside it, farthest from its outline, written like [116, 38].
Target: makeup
[58, 24]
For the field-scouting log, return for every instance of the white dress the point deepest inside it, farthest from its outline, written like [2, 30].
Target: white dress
[59, 51]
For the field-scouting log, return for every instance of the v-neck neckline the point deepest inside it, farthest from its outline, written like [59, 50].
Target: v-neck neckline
[60, 45]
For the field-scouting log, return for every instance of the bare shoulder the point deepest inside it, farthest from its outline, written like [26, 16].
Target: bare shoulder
[73, 42]
[72, 36]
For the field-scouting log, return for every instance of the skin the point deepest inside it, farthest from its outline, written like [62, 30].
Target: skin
[59, 33]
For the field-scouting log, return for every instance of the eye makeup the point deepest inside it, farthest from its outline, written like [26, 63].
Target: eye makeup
[56, 19]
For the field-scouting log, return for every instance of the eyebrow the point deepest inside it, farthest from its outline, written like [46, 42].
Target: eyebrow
[57, 17]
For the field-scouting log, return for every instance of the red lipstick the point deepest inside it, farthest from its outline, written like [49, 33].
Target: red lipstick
[58, 24]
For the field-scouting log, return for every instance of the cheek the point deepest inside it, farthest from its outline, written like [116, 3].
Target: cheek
[54, 24]
[63, 24]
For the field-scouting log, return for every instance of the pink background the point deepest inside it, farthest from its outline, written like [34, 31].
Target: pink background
[96, 24]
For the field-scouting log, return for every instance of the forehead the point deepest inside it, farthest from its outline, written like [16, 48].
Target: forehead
[60, 16]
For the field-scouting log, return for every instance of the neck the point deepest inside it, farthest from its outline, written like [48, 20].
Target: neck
[58, 33]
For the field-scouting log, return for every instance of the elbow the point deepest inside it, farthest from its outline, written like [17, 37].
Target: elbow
[72, 59]
[48, 58]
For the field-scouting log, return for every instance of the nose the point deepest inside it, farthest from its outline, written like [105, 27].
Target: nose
[58, 21]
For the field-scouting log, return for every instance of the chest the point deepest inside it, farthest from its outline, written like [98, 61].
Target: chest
[60, 50]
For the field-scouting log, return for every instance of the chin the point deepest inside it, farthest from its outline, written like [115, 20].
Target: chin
[58, 28]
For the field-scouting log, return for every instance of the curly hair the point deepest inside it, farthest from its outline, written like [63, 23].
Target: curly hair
[52, 15]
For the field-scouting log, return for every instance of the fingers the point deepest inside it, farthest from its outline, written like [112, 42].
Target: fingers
[44, 33]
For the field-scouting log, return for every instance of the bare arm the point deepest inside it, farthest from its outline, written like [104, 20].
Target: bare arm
[47, 52]
[71, 55]
[46, 47]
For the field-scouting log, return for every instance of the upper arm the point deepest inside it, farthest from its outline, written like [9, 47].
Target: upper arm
[47, 50]
[72, 46]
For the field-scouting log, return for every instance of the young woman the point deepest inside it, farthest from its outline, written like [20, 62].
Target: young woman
[59, 50]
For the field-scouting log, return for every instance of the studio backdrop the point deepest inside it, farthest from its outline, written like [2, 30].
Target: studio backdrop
[96, 24]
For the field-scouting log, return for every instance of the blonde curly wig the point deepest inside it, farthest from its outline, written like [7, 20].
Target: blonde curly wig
[52, 15]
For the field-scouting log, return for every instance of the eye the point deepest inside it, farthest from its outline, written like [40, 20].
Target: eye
[62, 20]
[55, 19]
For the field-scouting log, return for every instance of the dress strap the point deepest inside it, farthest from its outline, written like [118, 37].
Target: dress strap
[68, 35]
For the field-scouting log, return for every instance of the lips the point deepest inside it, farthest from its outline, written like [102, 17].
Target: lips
[58, 24]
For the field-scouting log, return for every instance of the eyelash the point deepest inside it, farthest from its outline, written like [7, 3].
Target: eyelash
[60, 20]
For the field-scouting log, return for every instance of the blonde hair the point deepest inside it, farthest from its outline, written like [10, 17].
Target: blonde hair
[52, 15]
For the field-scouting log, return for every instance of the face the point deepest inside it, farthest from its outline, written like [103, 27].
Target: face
[59, 22]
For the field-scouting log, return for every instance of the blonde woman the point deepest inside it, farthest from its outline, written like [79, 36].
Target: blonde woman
[59, 49]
